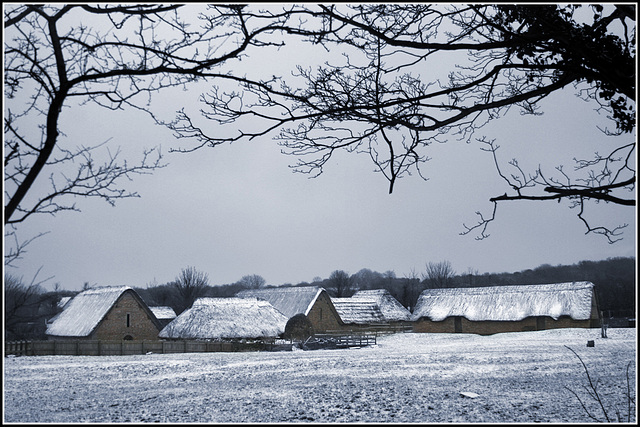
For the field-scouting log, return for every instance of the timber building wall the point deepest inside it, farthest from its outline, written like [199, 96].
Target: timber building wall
[488, 327]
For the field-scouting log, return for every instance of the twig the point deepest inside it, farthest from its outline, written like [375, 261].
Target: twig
[593, 387]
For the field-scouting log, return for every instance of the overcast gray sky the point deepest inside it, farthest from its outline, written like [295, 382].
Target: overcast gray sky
[238, 209]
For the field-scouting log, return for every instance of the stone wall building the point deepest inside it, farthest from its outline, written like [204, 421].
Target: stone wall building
[109, 313]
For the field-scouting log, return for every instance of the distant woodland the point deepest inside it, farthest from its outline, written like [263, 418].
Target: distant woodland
[614, 278]
[28, 307]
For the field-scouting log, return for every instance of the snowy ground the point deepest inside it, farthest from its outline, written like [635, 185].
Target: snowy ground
[417, 378]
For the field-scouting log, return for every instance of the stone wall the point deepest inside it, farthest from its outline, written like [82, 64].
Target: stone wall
[114, 326]
[323, 315]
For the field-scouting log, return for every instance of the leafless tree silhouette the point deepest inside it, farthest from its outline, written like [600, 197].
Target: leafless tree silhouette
[61, 57]
[439, 274]
[385, 98]
[190, 285]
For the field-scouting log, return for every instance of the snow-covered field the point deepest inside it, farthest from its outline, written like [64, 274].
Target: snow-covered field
[409, 377]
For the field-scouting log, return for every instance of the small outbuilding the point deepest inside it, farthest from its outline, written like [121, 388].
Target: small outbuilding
[391, 309]
[374, 309]
[108, 313]
[359, 314]
[164, 314]
[509, 308]
[312, 301]
[226, 318]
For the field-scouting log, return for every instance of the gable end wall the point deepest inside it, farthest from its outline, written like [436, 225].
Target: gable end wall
[114, 324]
[323, 315]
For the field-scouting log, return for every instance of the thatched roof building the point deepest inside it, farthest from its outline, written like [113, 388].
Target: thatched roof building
[312, 301]
[506, 308]
[356, 311]
[105, 313]
[390, 307]
[288, 300]
[374, 309]
[226, 318]
[164, 314]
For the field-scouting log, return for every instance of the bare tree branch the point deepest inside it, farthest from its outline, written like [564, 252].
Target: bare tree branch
[380, 98]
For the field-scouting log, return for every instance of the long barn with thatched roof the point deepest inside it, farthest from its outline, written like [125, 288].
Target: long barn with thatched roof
[226, 318]
[312, 301]
[510, 308]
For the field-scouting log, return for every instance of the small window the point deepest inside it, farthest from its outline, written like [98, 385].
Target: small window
[128, 320]
[128, 338]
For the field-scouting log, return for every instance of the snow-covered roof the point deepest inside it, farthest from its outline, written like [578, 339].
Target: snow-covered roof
[61, 305]
[507, 303]
[288, 300]
[63, 302]
[211, 318]
[359, 311]
[390, 307]
[84, 312]
[163, 312]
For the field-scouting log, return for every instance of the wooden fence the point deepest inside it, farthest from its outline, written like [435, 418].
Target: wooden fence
[119, 348]
[361, 339]
[342, 338]
[379, 330]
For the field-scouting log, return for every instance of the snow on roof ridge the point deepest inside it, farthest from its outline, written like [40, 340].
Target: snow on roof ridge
[283, 289]
[105, 289]
[225, 300]
[542, 287]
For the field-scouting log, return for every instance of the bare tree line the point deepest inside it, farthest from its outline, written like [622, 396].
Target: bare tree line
[28, 305]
